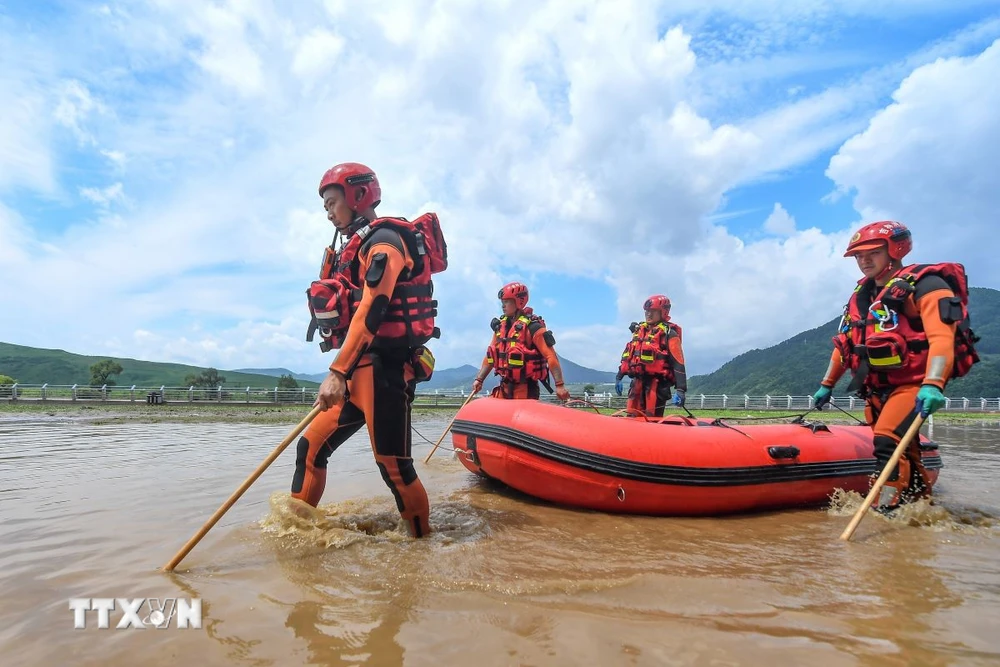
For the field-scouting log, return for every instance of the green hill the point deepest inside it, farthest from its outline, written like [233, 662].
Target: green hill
[462, 377]
[795, 366]
[31, 365]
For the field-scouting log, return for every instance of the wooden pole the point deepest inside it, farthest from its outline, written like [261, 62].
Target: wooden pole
[912, 432]
[169, 567]
[448, 428]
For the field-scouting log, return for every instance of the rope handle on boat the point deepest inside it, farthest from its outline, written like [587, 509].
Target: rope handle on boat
[629, 412]
[572, 400]
[678, 419]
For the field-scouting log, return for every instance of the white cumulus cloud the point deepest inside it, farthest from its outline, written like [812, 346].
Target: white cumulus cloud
[591, 139]
[929, 160]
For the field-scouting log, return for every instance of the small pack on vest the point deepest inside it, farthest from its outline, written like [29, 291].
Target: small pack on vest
[423, 364]
[332, 304]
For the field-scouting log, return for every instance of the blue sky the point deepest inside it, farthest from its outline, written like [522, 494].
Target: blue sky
[158, 162]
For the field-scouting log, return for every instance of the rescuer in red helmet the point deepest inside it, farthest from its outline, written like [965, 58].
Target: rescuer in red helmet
[521, 351]
[373, 302]
[905, 332]
[654, 360]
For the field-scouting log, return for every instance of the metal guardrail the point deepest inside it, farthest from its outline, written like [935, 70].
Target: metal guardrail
[438, 398]
[49, 393]
[788, 402]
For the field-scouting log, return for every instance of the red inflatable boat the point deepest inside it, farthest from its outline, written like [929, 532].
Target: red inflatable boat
[677, 466]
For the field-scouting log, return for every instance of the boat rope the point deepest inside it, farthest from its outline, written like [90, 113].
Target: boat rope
[718, 422]
[863, 423]
[429, 441]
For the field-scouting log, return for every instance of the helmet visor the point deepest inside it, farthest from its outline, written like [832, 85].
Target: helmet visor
[861, 247]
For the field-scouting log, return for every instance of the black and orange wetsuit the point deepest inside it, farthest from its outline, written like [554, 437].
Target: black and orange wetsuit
[380, 388]
[927, 347]
[521, 353]
[654, 360]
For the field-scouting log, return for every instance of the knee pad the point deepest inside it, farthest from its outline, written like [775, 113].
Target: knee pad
[301, 460]
[302, 451]
[308, 482]
[406, 470]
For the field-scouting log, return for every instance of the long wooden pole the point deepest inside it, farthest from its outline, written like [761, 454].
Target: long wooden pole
[240, 491]
[880, 482]
[448, 428]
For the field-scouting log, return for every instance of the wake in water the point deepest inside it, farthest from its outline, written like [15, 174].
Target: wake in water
[930, 513]
[338, 525]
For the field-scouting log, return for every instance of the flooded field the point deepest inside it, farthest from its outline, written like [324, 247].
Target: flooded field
[91, 510]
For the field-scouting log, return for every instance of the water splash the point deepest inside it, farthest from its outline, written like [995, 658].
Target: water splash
[933, 514]
[340, 524]
[333, 526]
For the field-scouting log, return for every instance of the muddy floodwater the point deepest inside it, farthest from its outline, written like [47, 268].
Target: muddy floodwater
[90, 510]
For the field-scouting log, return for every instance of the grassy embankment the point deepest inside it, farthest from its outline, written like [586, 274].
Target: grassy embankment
[291, 414]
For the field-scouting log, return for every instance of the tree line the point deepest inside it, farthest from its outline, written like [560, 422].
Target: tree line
[105, 373]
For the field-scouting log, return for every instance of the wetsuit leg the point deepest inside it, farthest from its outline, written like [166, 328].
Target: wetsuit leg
[660, 393]
[325, 434]
[517, 391]
[650, 403]
[386, 401]
[893, 415]
[506, 389]
[636, 399]
[531, 390]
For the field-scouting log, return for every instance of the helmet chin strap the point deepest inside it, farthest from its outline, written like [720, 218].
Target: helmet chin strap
[358, 222]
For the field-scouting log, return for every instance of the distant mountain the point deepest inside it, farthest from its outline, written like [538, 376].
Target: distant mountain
[577, 374]
[278, 372]
[795, 366]
[458, 378]
[451, 378]
[32, 365]
[462, 377]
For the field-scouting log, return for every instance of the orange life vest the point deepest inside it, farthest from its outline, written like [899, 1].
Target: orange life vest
[648, 353]
[409, 318]
[513, 353]
[883, 347]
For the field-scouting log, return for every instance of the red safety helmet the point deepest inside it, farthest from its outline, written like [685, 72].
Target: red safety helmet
[516, 291]
[359, 183]
[894, 234]
[657, 302]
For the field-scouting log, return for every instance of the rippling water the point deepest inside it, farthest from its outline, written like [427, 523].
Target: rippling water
[92, 510]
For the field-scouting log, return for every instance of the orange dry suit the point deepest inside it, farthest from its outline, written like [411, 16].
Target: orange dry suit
[655, 362]
[381, 278]
[911, 332]
[521, 354]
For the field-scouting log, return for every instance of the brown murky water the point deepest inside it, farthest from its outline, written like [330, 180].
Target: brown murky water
[95, 510]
